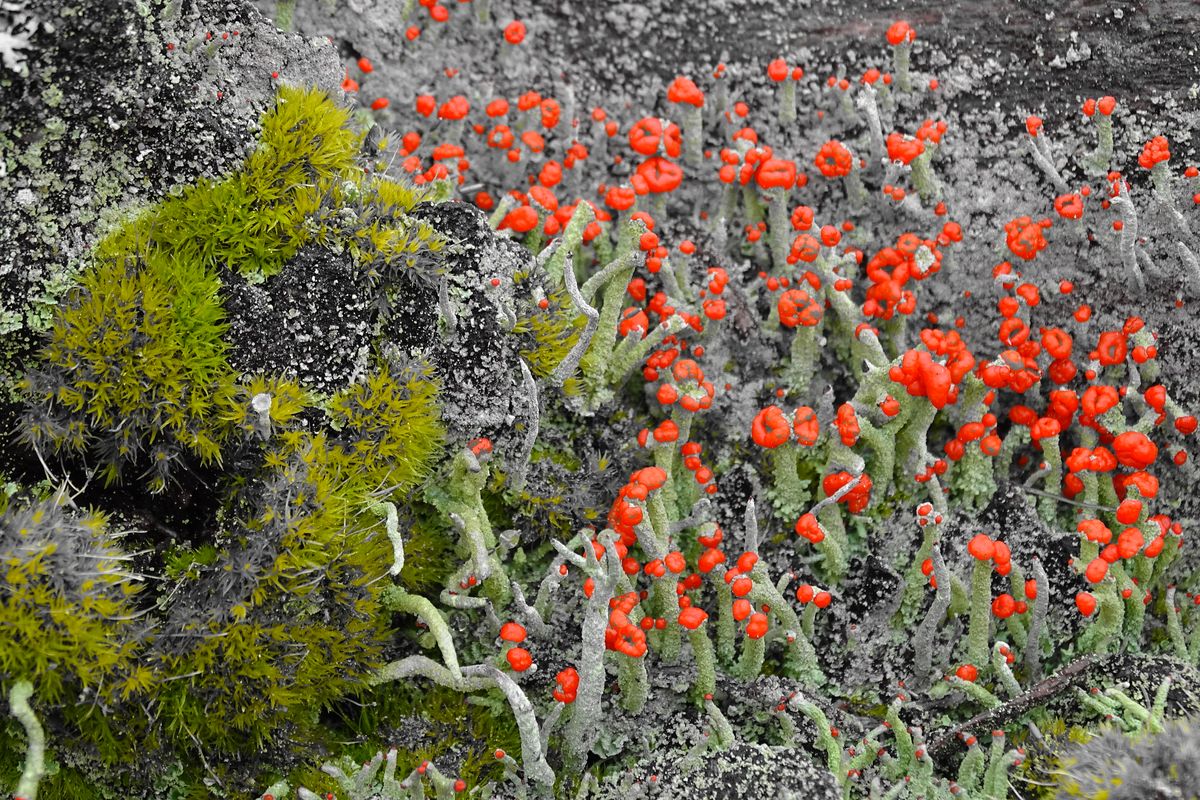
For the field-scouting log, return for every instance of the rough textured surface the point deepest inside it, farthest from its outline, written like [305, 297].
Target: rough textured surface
[478, 360]
[170, 93]
[312, 322]
[165, 94]
[744, 771]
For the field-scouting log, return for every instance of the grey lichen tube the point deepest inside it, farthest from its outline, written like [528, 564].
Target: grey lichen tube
[35, 747]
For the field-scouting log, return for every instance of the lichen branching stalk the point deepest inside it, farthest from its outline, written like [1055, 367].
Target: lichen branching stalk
[35, 740]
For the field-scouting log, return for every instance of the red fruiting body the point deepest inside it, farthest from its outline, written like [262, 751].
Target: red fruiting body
[1086, 603]
[856, 499]
[757, 627]
[692, 617]
[514, 32]
[1134, 449]
[798, 307]
[683, 90]
[775, 173]
[512, 632]
[808, 527]
[900, 32]
[1025, 237]
[519, 659]
[1156, 151]
[981, 547]
[648, 134]
[902, 148]
[1069, 206]
[834, 159]
[770, 428]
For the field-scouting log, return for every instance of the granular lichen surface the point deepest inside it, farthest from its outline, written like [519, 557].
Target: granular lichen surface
[500, 399]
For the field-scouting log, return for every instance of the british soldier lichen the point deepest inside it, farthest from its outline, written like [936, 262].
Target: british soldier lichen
[531, 534]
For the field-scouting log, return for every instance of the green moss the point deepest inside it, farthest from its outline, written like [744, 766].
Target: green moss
[68, 783]
[392, 423]
[135, 372]
[253, 221]
[428, 550]
[287, 619]
[548, 334]
[288, 400]
[66, 612]
[138, 354]
[461, 732]
[289, 616]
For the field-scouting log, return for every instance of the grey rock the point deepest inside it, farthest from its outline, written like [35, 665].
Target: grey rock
[743, 772]
[481, 379]
[313, 321]
[117, 103]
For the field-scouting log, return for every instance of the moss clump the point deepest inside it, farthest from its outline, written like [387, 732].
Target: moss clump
[286, 619]
[428, 722]
[67, 621]
[391, 423]
[548, 334]
[272, 614]
[254, 220]
[138, 355]
[136, 370]
[428, 549]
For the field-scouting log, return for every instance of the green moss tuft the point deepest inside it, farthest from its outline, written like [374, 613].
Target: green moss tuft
[428, 550]
[137, 354]
[549, 334]
[67, 621]
[459, 732]
[135, 372]
[392, 423]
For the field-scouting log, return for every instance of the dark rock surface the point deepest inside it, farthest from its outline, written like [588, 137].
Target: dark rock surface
[746, 771]
[112, 104]
[313, 321]
[478, 360]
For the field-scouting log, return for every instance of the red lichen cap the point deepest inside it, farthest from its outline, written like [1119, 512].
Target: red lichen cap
[981, 547]
[692, 617]
[455, 108]
[514, 32]
[684, 90]
[512, 632]
[1086, 603]
[519, 659]
[521, 219]
[758, 625]
[661, 175]
[807, 426]
[798, 307]
[903, 148]
[900, 32]
[808, 527]
[770, 428]
[856, 499]
[834, 159]
[1134, 449]
[778, 70]
[648, 134]
[1069, 206]
[1155, 151]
